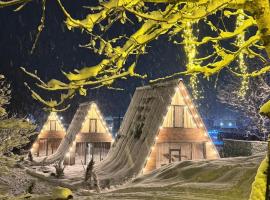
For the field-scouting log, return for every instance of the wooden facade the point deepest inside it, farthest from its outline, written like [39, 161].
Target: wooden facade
[182, 134]
[49, 137]
[161, 125]
[92, 141]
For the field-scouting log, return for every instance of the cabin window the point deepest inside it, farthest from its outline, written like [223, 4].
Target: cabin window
[53, 125]
[93, 125]
[178, 116]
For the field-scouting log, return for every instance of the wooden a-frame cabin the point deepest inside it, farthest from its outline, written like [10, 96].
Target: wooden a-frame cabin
[161, 126]
[94, 138]
[182, 134]
[49, 137]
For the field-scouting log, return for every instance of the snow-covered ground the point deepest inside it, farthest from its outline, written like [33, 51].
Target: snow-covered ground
[226, 179]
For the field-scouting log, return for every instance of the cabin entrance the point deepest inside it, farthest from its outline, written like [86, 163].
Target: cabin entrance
[48, 146]
[85, 151]
[42, 149]
[174, 155]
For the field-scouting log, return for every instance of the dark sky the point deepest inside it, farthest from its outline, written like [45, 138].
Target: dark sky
[58, 49]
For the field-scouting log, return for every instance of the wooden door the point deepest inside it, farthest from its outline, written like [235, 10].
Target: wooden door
[174, 155]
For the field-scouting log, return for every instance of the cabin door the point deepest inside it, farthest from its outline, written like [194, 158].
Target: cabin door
[88, 153]
[43, 147]
[174, 155]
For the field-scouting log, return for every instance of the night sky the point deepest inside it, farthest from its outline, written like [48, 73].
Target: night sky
[58, 49]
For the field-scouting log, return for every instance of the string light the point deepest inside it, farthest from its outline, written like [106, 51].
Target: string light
[242, 67]
[190, 49]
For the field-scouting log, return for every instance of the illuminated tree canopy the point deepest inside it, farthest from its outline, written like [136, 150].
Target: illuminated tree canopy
[156, 18]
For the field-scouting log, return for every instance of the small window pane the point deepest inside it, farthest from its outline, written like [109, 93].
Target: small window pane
[53, 125]
[93, 126]
[178, 116]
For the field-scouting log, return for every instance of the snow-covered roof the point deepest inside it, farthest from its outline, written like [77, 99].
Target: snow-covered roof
[138, 131]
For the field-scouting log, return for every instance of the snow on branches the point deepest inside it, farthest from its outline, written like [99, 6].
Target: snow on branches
[156, 18]
[249, 104]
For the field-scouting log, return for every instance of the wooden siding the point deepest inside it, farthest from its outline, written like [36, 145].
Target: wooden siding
[93, 137]
[151, 163]
[51, 134]
[181, 135]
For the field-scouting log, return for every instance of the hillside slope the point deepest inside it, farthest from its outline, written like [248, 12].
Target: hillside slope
[226, 179]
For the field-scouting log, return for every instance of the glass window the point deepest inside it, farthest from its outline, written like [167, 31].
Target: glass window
[93, 125]
[178, 116]
[53, 125]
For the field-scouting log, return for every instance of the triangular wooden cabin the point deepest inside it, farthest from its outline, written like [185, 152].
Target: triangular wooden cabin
[161, 126]
[49, 137]
[182, 134]
[93, 140]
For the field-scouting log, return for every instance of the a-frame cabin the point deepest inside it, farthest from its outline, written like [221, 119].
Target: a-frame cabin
[93, 140]
[182, 135]
[161, 125]
[49, 137]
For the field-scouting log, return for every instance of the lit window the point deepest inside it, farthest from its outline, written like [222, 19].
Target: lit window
[178, 116]
[53, 125]
[93, 125]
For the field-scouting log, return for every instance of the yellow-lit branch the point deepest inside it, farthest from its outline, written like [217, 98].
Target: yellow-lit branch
[172, 19]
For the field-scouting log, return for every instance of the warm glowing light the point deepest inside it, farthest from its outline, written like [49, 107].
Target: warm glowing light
[191, 51]
[67, 154]
[242, 67]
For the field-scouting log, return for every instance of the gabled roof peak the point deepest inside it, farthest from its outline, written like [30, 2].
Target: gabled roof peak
[162, 83]
[87, 103]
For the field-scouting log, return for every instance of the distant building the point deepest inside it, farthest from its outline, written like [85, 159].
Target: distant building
[94, 138]
[50, 136]
[113, 123]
